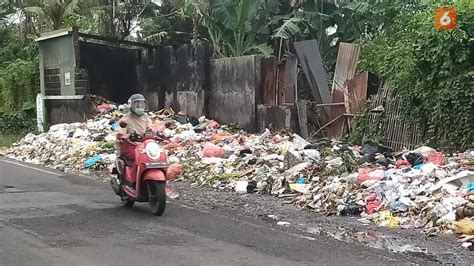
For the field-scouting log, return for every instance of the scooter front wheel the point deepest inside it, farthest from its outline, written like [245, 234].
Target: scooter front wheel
[128, 203]
[157, 197]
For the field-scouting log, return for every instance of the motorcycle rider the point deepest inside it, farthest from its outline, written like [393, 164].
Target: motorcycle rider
[137, 122]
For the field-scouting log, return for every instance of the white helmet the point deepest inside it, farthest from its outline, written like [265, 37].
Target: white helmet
[137, 104]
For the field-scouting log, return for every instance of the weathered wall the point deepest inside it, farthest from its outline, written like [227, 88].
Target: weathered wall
[167, 77]
[235, 90]
[66, 111]
[177, 78]
[277, 117]
[56, 59]
[111, 70]
[227, 90]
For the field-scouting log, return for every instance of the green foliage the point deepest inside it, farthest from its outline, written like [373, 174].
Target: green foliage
[57, 11]
[19, 83]
[169, 24]
[233, 28]
[17, 122]
[11, 49]
[363, 130]
[431, 70]
[8, 139]
[19, 72]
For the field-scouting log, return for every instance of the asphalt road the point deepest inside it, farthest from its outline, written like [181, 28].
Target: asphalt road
[51, 218]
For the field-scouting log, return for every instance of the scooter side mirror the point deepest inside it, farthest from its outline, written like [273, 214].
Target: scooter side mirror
[123, 124]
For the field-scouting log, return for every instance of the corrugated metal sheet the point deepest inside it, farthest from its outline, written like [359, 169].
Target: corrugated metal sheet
[346, 65]
[312, 65]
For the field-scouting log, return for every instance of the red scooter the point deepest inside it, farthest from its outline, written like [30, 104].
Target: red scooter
[143, 180]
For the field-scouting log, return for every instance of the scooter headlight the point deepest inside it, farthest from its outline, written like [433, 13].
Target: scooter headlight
[153, 150]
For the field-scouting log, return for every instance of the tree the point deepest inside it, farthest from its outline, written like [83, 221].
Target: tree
[116, 18]
[234, 28]
[167, 24]
[56, 12]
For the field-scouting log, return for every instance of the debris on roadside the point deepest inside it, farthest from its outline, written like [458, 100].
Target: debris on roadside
[422, 188]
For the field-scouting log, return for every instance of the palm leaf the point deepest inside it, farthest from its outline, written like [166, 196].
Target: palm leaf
[71, 8]
[288, 29]
[36, 10]
[263, 49]
[224, 13]
[245, 10]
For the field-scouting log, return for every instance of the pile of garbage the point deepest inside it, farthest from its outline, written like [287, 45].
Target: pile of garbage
[422, 188]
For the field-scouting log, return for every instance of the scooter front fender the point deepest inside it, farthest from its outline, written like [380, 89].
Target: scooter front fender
[154, 175]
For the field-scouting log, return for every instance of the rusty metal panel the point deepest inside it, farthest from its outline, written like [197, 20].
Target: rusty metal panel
[268, 67]
[357, 89]
[290, 79]
[346, 65]
[281, 84]
[312, 65]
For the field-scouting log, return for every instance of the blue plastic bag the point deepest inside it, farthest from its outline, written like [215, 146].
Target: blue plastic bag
[300, 180]
[92, 161]
[470, 187]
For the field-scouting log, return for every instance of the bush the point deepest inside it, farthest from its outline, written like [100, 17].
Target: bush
[19, 84]
[431, 70]
[17, 122]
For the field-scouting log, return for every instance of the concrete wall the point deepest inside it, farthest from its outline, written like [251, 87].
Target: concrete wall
[177, 78]
[168, 77]
[56, 59]
[235, 90]
[111, 71]
[227, 90]
[67, 111]
[277, 117]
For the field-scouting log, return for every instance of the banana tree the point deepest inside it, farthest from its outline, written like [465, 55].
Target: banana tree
[233, 28]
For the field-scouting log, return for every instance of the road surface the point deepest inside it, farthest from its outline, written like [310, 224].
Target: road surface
[52, 218]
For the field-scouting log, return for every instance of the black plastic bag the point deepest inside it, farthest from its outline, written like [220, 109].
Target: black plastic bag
[415, 158]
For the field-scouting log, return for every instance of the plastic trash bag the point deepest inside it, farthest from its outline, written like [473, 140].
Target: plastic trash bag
[92, 161]
[370, 174]
[214, 151]
[464, 227]
[174, 171]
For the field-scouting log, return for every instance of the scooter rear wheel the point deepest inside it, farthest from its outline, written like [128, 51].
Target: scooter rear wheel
[157, 197]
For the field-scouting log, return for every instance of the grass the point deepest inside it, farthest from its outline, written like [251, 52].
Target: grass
[8, 139]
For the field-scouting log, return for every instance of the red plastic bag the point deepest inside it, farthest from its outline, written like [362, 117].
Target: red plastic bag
[220, 136]
[276, 139]
[174, 171]
[436, 158]
[372, 205]
[370, 174]
[214, 151]
[213, 124]
[104, 107]
[400, 162]
[241, 139]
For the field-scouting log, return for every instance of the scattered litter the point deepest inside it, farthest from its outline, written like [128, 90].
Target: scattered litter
[422, 188]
